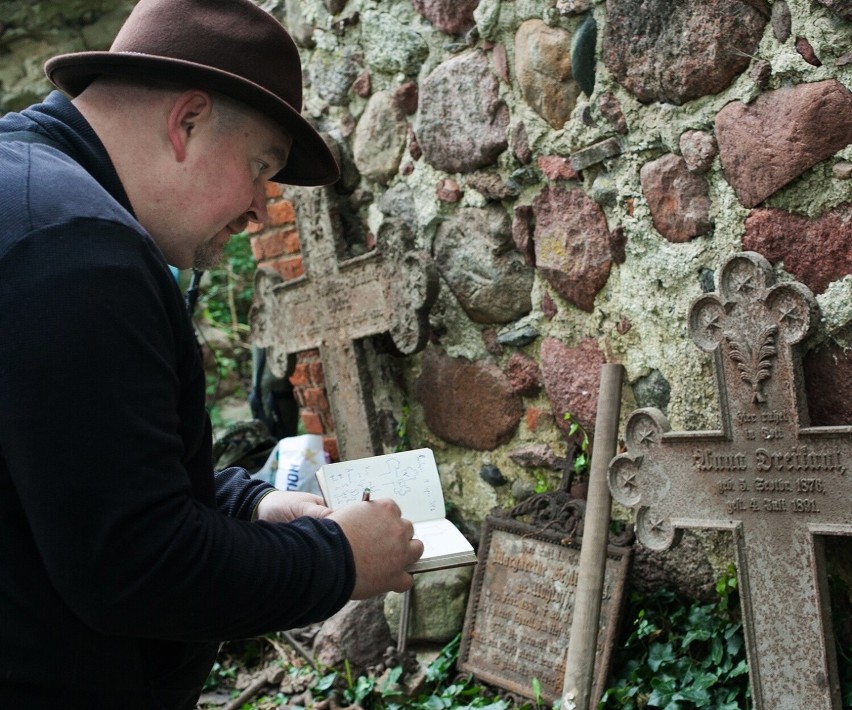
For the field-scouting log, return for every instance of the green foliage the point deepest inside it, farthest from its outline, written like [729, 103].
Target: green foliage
[224, 302]
[443, 688]
[582, 460]
[217, 675]
[678, 654]
[683, 654]
[542, 482]
[228, 291]
[402, 435]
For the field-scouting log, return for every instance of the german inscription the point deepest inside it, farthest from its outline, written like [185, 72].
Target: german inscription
[776, 482]
[521, 606]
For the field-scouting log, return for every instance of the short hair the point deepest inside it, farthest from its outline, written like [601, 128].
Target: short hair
[228, 113]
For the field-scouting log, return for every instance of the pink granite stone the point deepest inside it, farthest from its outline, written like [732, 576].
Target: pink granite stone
[571, 244]
[765, 145]
[678, 199]
[470, 404]
[454, 17]
[571, 377]
[816, 251]
[677, 50]
[523, 373]
[556, 167]
[461, 121]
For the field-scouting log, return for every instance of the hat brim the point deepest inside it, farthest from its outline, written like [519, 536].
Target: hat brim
[311, 162]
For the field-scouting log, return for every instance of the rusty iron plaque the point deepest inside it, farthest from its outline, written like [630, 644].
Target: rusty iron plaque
[777, 483]
[519, 613]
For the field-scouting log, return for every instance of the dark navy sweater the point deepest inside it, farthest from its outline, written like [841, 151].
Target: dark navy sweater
[123, 559]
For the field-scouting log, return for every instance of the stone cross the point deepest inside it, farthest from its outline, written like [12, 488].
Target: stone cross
[339, 302]
[776, 482]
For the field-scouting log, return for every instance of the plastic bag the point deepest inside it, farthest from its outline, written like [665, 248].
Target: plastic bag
[293, 464]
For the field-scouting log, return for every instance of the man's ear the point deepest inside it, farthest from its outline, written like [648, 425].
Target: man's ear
[189, 110]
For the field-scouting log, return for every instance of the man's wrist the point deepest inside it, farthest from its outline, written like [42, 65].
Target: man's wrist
[255, 514]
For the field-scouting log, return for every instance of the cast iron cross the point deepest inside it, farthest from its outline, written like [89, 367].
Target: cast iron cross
[777, 483]
[336, 304]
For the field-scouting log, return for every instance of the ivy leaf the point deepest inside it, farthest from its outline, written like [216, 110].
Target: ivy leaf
[697, 695]
[663, 690]
[734, 642]
[703, 680]
[739, 669]
[326, 682]
[433, 702]
[658, 654]
[716, 651]
[695, 635]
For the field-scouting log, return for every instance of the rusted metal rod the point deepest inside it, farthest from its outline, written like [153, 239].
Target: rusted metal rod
[404, 613]
[582, 645]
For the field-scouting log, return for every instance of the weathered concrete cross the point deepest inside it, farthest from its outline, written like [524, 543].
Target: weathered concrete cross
[336, 304]
[777, 483]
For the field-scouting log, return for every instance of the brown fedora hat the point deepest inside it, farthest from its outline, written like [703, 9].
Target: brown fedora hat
[232, 47]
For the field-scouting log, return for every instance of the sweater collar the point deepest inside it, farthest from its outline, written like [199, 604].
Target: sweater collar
[59, 119]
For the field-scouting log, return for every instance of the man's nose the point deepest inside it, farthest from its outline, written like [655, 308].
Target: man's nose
[257, 212]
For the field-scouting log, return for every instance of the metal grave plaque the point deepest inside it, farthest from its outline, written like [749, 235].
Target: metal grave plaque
[777, 483]
[519, 613]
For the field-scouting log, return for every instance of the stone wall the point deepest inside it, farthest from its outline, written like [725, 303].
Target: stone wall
[32, 31]
[578, 170]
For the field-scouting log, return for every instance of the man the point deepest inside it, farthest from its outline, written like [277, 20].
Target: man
[123, 559]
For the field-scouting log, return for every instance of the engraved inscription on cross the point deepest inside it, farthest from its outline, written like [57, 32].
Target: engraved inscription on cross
[776, 482]
[338, 303]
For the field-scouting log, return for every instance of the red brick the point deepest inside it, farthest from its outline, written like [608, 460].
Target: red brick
[327, 420]
[289, 267]
[256, 248]
[292, 244]
[317, 375]
[272, 244]
[281, 212]
[263, 248]
[309, 355]
[273, 190]
[535, 417]
[299, 395]
[315, 398]
[301, 375]
[312, 422]
[329, 444]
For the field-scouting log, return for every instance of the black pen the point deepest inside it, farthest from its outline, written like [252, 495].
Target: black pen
[366, 494]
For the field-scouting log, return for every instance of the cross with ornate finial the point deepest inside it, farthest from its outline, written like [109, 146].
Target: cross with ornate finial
[779, 484]
[340, 302]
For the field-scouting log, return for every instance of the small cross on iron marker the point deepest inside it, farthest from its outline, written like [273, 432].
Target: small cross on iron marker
[777, 483]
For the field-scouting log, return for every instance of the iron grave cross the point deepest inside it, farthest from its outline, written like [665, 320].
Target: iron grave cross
[336, 304]
[777, 483]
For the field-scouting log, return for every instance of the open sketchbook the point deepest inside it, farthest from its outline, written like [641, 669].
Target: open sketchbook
[411, 479]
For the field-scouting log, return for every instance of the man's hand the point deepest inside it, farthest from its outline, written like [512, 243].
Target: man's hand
[382, 545]
[286, 506]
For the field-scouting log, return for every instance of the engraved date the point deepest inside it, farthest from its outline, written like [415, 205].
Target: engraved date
[810, 485]
[804, 505]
